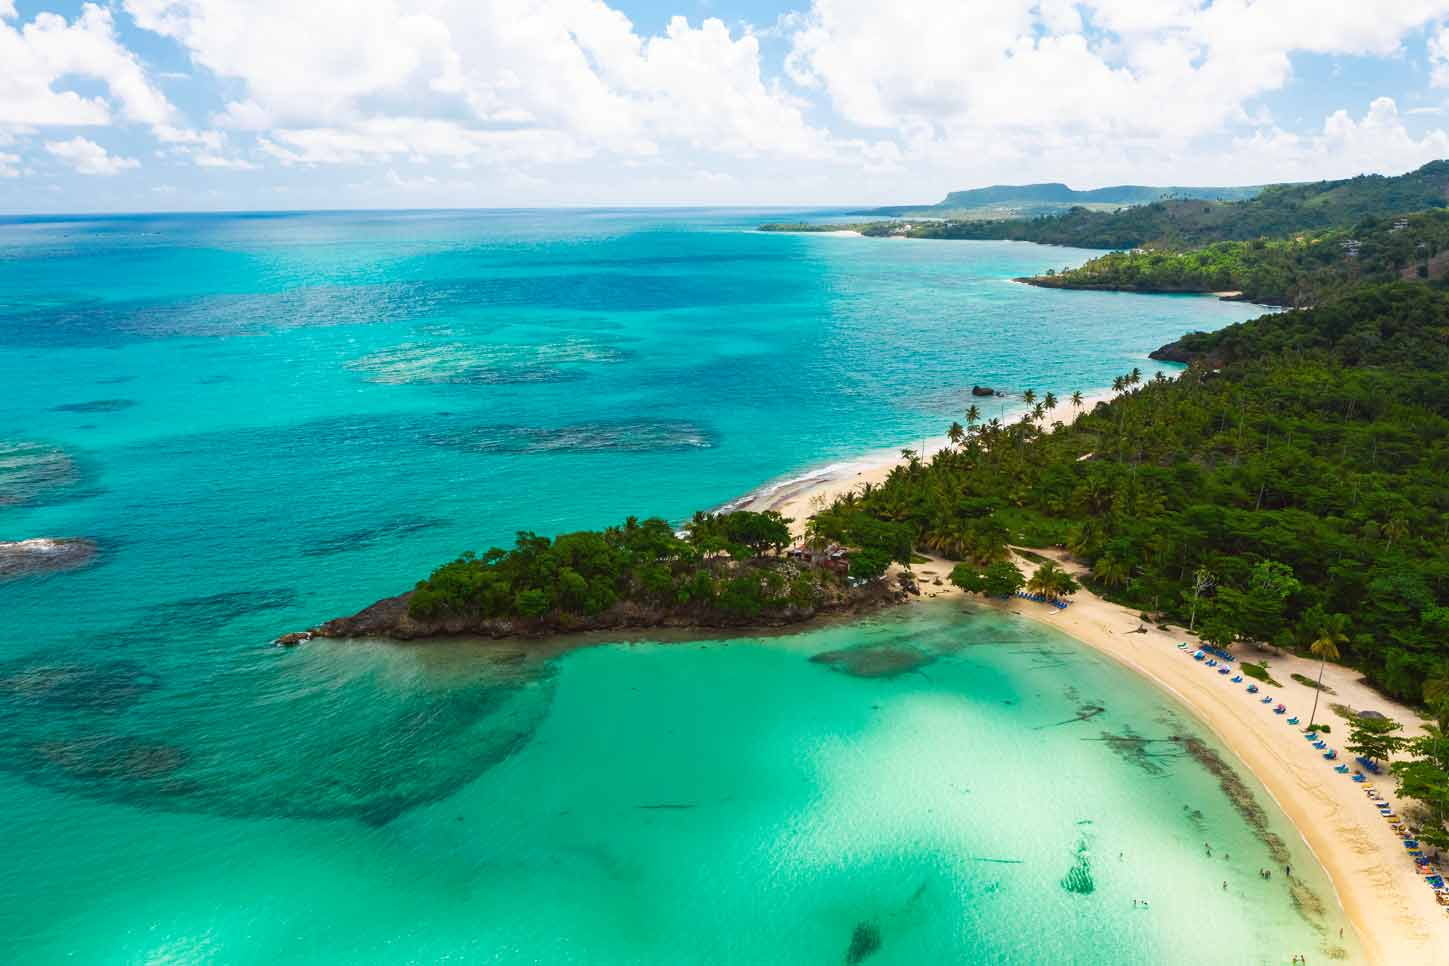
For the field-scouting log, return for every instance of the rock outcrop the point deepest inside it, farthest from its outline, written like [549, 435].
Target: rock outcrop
[44, 555]
[390, 618]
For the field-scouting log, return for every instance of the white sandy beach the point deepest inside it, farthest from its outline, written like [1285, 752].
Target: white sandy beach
[1394, 912]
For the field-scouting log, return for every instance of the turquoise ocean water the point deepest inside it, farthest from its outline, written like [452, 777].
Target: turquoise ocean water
[264, 421]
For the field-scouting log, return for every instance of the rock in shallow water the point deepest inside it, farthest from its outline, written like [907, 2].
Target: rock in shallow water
[875, 661]
[112, 757]
[43, 555]
[106, 687]
[864, 942]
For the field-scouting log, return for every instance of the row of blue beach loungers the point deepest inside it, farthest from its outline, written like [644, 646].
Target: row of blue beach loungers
[1430, 875]
[1042, 599]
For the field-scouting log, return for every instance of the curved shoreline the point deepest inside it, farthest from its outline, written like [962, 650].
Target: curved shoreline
[1394, 914]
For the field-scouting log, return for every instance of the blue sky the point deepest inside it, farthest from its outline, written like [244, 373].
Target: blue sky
[264, 104]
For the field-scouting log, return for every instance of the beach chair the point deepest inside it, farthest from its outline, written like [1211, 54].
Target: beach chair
[1237, 679]
[1341, 769]
[1331, 754]
[1359, 778]
[1267, 699]
[1224, 670]
[1252, 689]
[1320, 745]
[1280, 710]
[1293, 720]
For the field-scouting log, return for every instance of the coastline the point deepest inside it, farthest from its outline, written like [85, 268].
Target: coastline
[1394, 914]
[800, 495]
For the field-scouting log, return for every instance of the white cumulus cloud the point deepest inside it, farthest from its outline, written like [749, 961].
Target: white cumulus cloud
[88, 157]
[38, 58]
[483, 79]
[1051, 75]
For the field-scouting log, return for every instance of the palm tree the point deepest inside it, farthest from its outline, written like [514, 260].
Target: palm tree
[1135, 376]
[1029, 396]
[1049, 401]
[1119, 383]
[1331, 633]
[1038, 411]
[1111, 571]
[955, 434]
[1051, 582]
[1076, 399]
[973, 415]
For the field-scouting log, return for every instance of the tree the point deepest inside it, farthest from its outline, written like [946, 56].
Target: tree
[1332, 632]
[1029, 396]
[1218, 628]
[999, 579]
[869, 563]
[968, 578]
[955, 434]
[1374, 738]
[973, 415]
[531, 603]
[1258, 612]
[1202, 582]
[1049, 401]
[1112, 571]
[1003, 579]
[1076, 401]
[1051, 582]
[1425, 777]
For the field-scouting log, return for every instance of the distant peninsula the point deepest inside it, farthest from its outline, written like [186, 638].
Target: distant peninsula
[1178, 224]
[1004, 200]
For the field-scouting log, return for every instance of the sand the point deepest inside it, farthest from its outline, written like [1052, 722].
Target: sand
[801, 496]
[1394, 912]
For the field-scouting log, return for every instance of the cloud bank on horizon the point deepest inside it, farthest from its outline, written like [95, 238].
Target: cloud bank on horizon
[146, 104]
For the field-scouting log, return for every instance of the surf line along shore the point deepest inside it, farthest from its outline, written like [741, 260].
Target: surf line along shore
[1396, 917]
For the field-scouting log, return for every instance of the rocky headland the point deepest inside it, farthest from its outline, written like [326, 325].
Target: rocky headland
[392, 619]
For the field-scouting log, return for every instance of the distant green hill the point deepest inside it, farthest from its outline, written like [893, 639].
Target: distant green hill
[1306, 268]
[1026, 200]
[1178, 223]
[1056, 193]
[1174, 223]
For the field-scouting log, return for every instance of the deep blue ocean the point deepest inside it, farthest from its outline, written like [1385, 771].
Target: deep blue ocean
[263, 421]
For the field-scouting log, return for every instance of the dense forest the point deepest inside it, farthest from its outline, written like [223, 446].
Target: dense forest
[1303, 269]
[719, 570]
[1178, 224]
[1291, 484]
[588, 572]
